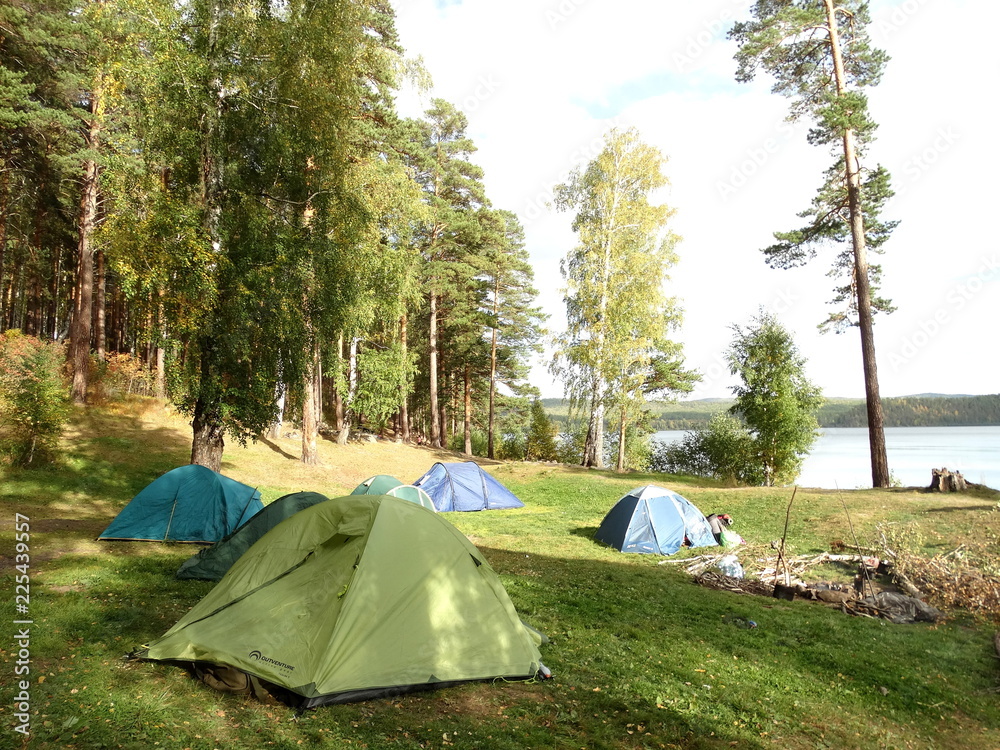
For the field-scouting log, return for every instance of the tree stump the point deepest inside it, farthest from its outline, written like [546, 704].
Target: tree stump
[943, 480]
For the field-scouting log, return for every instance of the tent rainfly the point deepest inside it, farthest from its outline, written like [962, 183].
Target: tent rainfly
[654, 520]
[358, 597]
[188, 504]
[212, 562]
[376, 485]
[465, 486]
[383, 484]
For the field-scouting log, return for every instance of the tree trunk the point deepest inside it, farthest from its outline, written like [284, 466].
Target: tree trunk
[338, 399]
[435, 436]
[100, 276]
[404, 417]
[275, 430]
[490, 451]
[209, 437]
[620, 466]
[83, 309]
[352, 384]
[468, 409]
[593, 447]
[309, 421]
[876, 426]
[208, 429]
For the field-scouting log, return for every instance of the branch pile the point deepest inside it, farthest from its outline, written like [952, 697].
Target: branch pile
[965, 578]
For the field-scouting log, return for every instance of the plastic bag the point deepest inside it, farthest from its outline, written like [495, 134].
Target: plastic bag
[730, 539]
[730, 566]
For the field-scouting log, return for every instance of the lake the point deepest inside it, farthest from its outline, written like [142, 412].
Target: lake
[840, 458]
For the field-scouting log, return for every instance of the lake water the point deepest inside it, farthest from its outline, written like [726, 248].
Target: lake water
[840, 458]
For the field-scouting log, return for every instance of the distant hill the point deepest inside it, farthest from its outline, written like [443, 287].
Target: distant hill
[921, 410]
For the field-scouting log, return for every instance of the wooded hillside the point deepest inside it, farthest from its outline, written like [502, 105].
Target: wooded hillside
[928, 410]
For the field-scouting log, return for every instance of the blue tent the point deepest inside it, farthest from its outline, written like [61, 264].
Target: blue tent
[654, 520]
[465, 486]
[188, 504]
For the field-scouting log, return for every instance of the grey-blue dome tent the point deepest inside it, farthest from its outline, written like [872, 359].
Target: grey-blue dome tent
[654, 520]
[211, 564]
[188, 504]
[463, 485]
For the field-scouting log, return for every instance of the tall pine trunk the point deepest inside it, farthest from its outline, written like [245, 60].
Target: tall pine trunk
[404, 416]
[876, 424]
[490, 451]
[468, 409]
[83, 308]
[435, 436]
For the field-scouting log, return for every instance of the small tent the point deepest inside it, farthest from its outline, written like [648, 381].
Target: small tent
[383, 484]
[654, 520]
[413, 494]
[212, 562]
[358, 597]
[465, 486]
[188, 504]
[376, 485]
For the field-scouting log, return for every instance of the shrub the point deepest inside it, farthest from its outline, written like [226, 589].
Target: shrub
[120, 376]
[724, 450]
[34, 398]
[541, 440]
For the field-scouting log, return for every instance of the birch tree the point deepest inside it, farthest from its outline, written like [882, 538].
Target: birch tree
[616, 309]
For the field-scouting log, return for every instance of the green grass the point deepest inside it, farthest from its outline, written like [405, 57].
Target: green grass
[641, 656]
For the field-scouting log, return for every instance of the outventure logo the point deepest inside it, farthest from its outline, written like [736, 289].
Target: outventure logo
[258, 656]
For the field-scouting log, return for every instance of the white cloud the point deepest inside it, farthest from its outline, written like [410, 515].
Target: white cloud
[542, 82]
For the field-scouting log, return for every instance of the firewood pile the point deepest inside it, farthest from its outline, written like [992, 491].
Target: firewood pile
[967, 577]
[715, 580]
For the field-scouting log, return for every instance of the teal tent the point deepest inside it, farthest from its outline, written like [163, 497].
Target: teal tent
[212, 562]
[358, 597]
[188, 504]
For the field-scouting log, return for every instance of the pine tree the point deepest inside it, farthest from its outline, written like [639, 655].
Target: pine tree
[820, 56]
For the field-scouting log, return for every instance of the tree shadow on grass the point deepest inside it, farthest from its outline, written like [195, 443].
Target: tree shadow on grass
[277, 449]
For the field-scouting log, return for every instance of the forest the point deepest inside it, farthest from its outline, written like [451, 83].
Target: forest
[218, 203]
[926, 410]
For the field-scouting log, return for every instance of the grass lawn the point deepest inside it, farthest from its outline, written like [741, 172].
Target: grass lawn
[641, 656]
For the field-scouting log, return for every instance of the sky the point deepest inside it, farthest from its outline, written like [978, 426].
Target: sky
[542, 82]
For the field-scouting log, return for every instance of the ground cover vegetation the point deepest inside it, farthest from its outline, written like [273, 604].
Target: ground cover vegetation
[642, 657]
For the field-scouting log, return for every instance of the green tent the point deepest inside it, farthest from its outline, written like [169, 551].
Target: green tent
[376, 485]
[413, 494]
[354, 598]
[212, 562]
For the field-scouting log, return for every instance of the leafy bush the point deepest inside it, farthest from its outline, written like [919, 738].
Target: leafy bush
[34, 398]
[724, 450]
[541, 440]
[120, 376]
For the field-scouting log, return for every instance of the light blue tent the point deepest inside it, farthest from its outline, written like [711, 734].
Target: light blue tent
[654, 520]
[188, 504]
[465, 486]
